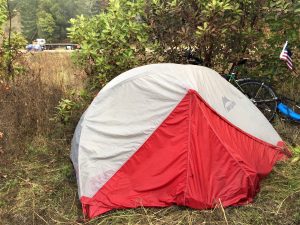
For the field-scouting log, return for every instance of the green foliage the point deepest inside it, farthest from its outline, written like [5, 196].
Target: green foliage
[96, 6]
[64, 110]
[112, 41]
[219, 32]
[90, 7]
[9, 54]
[62, 12]
[28, 12]
[71, 106]
[49, 18]
[280, 23]
[10, 44]
[45, 25]
[296, 150]
[3, 12]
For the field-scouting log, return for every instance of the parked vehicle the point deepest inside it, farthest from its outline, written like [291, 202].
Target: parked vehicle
[41, 42]
[37, 45]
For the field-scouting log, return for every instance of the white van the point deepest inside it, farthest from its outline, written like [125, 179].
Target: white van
[40, 41]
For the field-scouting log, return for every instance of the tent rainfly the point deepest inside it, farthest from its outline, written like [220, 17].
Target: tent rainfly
[167, 134]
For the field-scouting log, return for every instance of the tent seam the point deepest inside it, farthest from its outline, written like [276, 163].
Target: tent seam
[225, 146]
[274, 147]
[152, 132]
[237, 162]
[188, 147]
[78, 159]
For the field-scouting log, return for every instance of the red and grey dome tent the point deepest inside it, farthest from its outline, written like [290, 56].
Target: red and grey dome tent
[167, 134]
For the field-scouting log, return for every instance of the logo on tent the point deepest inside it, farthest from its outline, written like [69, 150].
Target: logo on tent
[228, 104]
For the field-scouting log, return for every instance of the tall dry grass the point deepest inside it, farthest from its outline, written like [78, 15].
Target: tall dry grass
[28, 103]
[56, 67]
[33, 145]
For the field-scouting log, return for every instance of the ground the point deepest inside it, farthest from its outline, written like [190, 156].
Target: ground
[37, 181]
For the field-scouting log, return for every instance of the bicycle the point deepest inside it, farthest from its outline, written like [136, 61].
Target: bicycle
[259, 92]
[264, 97]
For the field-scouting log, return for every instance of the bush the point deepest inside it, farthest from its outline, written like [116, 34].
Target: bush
[111, 42]
[10, 56]
[219, 32]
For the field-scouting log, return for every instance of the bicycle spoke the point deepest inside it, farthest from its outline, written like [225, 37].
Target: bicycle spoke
[265, 101]
[261, 95]
[259, 90]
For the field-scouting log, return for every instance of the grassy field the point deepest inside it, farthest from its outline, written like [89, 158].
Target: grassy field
[37, 181]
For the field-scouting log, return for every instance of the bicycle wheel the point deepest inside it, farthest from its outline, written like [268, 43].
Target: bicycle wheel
[261, 95]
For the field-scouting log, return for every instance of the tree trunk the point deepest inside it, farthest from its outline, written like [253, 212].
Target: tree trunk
[9, 60]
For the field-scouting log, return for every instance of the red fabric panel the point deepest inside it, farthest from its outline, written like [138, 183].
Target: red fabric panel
[154, 175]
[194, 158]
[224, 162]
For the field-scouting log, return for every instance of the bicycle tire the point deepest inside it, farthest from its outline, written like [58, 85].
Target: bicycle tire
[261, 95]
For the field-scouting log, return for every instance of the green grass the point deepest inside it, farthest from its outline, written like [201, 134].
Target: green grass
[40, 188]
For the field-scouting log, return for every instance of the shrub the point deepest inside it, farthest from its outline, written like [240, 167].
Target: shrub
[10, 56]
[218, 31]
[112, 41]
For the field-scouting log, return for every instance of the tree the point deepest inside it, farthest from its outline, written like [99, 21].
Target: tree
[96, 6]
[49, 19]
[28, 11]
[90, 7]
[45, 25]
[11, 43]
